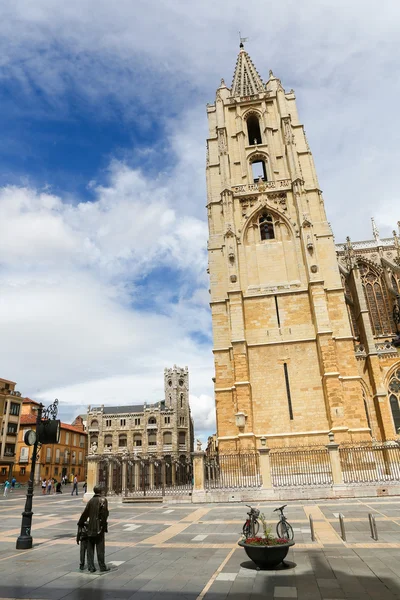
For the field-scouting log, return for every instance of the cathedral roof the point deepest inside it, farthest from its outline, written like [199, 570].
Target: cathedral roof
[246, 80]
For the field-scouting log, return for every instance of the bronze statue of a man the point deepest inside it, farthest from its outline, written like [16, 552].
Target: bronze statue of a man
[96, 512]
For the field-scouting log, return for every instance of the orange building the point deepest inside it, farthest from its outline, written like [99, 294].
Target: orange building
[68, 457]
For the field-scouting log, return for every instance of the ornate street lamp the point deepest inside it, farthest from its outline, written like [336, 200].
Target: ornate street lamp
[47, 432]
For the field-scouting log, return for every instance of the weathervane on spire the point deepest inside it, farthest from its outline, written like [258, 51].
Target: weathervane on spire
[242, 40]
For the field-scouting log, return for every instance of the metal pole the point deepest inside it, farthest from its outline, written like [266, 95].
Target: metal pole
[312, 528]
[342, 529]
[24, 541]
[373, 527]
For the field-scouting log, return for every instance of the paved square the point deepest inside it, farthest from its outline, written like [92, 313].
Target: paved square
[190, 552]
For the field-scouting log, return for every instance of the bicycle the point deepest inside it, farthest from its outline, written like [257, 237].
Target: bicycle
[251, 525]
[283, 528]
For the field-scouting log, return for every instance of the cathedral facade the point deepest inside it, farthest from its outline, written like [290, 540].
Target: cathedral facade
[290, 320]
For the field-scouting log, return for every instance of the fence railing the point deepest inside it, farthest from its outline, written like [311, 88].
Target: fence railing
[370, 464]
[301, 467]
[233, 471]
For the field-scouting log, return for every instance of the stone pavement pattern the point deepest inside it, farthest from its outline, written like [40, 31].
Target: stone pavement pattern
[162, 552]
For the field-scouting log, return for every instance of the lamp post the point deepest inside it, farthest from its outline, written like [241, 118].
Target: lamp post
[24, 540]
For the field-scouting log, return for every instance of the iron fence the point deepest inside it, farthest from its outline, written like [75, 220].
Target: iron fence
[301, 467]
[370, 464]
[233, 471]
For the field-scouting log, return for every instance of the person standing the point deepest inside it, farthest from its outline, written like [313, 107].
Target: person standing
[44, 486]
[13, 482]
[75, 486]
[49, 486]
[7, 486]
[96, 511]
[84, 487]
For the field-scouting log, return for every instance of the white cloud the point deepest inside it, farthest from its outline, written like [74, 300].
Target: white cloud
[71, 271]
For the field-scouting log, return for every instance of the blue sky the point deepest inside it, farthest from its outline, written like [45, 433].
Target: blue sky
[102, 174]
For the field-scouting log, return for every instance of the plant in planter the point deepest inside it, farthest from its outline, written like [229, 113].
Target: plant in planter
[267, 551]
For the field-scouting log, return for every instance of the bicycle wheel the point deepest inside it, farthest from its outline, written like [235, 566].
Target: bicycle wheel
[284, 530]
[246, 529]
[256, 527]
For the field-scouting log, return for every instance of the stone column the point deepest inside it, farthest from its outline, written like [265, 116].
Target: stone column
[198, 471]
[334, 457]
[92, 477]
[110, 478]
[124, 469]
[151, 476]
[265, 468]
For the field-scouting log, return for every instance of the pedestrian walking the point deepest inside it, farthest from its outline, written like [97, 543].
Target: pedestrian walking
[82, 539]
[49, 486]
[96, 511]
[7, 486]
[13, 482]
[84, 487]
[75, 486]
[44, 486]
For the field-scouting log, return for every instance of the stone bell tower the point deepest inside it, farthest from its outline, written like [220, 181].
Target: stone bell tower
[285, 366]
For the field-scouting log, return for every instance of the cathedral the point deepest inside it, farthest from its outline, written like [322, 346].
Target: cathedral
[302, 328]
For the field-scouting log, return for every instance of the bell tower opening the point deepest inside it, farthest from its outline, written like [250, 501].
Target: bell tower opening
[253, 130]
[259, 171]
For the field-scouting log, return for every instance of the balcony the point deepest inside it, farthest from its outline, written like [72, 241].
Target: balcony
[94, 429]
[24, 459]
[48, 460]
[152, 426]
[167, 448]
[182, 447]
[81, 444]
[80, 461]
[152, 449]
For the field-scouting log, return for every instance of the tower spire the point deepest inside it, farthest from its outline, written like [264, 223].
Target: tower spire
[246, 80]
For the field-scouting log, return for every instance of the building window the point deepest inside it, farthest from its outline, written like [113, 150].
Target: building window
[5, 407]
[4, 470]
[152, 421]
[80, 458]
[75, 440]
[170, 383]
[137, 439]
[94, 423]
[182, 438]
[9, 450]
[56, 471]
[181, 399]
[123, 441]
[152, 439]
[67, 437]
[108, 442]
[182, 421]
[48, 455]
[266, 225]
[377, 299]
[57, 455]
[167, 420]
[122, 422]
[108, 422]
[259, 170]
[24, 454]
[137, 422]
[181, 382]
[12, 428]
[82, 441]
[22, 470]
[167, 438]
[14, 409]
[253, 130]
[394, 390]
[289, 397]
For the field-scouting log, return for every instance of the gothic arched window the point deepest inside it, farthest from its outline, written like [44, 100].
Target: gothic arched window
[253, 130]
[394, 398]
[377, 300]
[259, 170]
[266, 225]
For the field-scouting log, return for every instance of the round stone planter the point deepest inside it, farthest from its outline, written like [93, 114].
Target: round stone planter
[266, 557]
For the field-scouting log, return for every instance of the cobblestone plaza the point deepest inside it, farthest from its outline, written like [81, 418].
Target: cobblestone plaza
[167, 551]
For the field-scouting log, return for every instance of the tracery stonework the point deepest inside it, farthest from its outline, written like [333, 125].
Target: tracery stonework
[295, 349]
